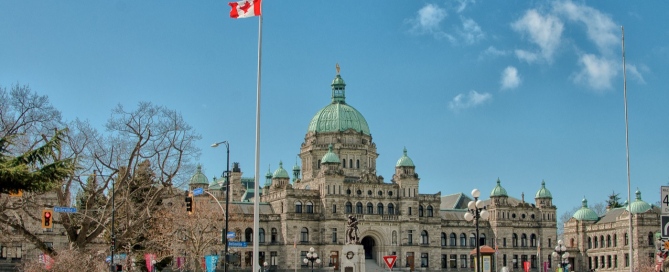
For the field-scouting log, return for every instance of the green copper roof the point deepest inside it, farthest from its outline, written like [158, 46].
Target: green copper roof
[338, 116]
[543, 192]
[198, 177]
[269, 173]
[639, 206]
[585, 213]
[404, 161]
[280, 173]
[330, 157]
[498, 190]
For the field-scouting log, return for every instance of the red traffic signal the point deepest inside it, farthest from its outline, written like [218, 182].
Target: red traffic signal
[189, 204]
[47, 218]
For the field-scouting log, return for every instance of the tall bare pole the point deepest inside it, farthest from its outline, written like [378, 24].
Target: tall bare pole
[256, 188]
[627, 150]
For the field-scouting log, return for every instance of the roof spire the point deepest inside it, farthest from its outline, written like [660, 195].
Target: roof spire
[337, 67]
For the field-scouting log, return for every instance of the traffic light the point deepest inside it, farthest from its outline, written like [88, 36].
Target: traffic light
[47, 218]
[189, 203]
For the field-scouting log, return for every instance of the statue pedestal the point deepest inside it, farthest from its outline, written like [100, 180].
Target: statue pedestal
[353, 259]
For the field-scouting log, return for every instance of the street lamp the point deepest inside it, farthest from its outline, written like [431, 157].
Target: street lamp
[561, 255]
[312, 257]
[227, 198]
[265, 265]
[475, 212]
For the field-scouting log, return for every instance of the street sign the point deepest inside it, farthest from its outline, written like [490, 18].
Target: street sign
[236, 244]
[664, 199]
[198, 191]
[665, 226]
[65, 209]
[231, 235]
[390, 261]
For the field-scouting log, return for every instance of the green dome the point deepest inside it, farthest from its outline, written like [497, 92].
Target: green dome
[639, 206]
[296, 167]
[338, 116]
[498, 190]
[269, 174]
[404, 161]
[198, 177]
[543, 192]
[330, 157]
[585, 213]
[280, 173]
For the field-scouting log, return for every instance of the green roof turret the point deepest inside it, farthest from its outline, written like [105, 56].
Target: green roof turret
[543, 192]
[405, 161]
[198, 177]
[585, 213]
[338, 116]
[498, 190]
[639, 206]
[280, 173]
[330, 157]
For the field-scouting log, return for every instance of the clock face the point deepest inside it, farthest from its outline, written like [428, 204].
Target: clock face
[349, 255]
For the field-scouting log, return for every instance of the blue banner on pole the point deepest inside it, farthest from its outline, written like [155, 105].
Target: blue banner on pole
[210, 262]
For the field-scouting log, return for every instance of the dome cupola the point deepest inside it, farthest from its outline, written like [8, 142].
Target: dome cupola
[585, 213]
[280, 173]
[198, 177]
[498, 190]
[330, 157]
[639, 206]
[405, 161]
[543, 192]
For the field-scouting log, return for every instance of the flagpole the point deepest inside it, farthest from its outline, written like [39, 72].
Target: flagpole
[627, 151]
[256, 202]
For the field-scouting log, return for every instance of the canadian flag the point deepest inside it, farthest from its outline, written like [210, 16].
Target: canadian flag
[245, 9]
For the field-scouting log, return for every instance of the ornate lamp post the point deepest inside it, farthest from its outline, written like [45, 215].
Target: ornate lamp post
[227, 199]
[265, 265]
[312, 257]
[476, 211]
[561, 255]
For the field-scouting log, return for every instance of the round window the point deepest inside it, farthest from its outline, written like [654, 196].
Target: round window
[369, 192]
[513, 215]
[380, 193]
[348, 191]
[358, 192]
[390, 193]
[523, 216]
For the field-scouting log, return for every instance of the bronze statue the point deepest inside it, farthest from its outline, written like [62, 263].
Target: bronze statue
[352, 231]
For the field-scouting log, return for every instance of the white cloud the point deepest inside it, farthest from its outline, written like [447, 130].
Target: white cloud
[634, 72]
[492, 51]
[596, 72]
[544, 31]
[428, 19]
[510, 78]
[600, 28]
[468, 100]
[471, 31]
[463, 5]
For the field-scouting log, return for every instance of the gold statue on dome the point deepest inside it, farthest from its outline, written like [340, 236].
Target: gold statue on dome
[337, 67]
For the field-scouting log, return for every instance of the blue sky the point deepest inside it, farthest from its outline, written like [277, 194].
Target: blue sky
[523, 91]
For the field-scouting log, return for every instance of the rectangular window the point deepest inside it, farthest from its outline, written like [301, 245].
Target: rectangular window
[424, 260]
[334, 235]
[303, 255]
[503, 259]
[409, 210]
[550, 243]
[515, 261]
[444, 261]
[549, 258]
[463, 261]
[471, 261]
[533, 261]
[504, 242]
[615, 261]
[273, 255]
[334, 256]
[409, 237]
[334, 208]
[453, 261]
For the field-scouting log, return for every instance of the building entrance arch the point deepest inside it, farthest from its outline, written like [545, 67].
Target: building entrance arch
[368, 244]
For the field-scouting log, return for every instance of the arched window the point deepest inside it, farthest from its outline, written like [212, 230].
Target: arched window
[429, 211]
[615, 240]
[533, 240]
[571, 242]
[596, 241]
[608, 240]
[523, 240]
[350, 163]
[349, 207]
[357, 163]
[650, 239]
[424, 239]
[472, 239]
[601, 241]
[589, 242]
[274, 235]
[626, 239]
[310, 207]
[481, 239]
[343, 163]
[370, 208]
[248, 235]
[420, 210]
[304, 235]
[514, 240]
[261, 235]
[379, 208]
[391, 209]
[298, 207]
[394, 237]
[463, 240]
[443, 239]
[358, 208]
[452, 239]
